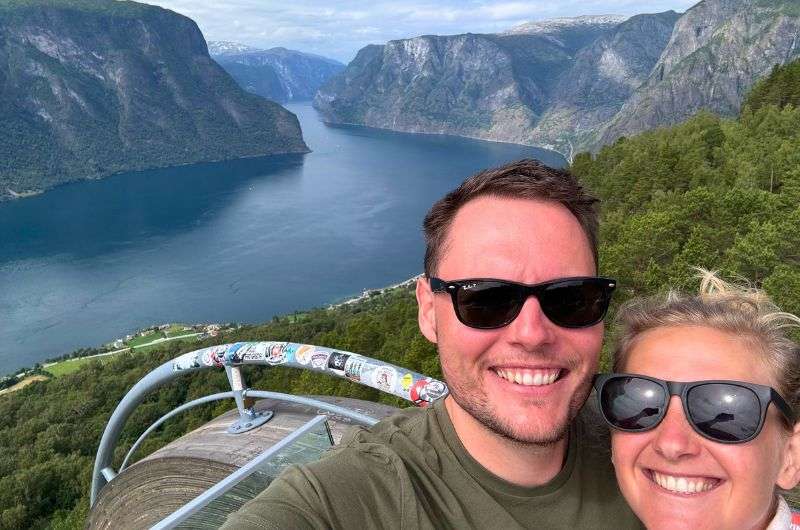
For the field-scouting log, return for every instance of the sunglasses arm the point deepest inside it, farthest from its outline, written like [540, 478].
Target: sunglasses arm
[783, 407]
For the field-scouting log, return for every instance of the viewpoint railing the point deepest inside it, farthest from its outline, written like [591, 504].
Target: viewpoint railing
[386, 377]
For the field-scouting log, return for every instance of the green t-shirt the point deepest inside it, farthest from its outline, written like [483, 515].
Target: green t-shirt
[411, 471]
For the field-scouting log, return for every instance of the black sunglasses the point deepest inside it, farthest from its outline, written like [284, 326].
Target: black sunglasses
[728, 412]
[487, 303]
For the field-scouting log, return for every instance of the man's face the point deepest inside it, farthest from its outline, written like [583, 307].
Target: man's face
[504, 377]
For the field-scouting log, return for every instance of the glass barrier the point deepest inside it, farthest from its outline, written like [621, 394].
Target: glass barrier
[211, 509]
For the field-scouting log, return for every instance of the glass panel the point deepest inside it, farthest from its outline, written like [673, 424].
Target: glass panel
[211, 510]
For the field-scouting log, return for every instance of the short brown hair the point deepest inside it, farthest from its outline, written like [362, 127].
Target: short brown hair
[524, 179]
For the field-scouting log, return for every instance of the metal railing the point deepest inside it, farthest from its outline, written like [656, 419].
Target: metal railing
[406, 384]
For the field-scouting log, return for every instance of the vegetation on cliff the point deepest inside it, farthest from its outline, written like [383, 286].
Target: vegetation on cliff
[780, 88]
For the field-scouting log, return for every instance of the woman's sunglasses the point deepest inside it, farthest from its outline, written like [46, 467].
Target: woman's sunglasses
[728, 412]
[486, 303]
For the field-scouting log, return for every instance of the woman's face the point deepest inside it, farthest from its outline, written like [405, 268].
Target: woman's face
[651, 466]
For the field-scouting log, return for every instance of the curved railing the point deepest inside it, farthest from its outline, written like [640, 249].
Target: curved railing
[406, 384]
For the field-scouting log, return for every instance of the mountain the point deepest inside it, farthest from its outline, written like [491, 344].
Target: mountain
[568, 84]
[717, 50]
[604, 75]
[277, 74]
[501, 86]
[93, 87]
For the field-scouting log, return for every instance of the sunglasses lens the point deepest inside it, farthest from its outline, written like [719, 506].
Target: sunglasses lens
[576, 303]
[724, 412]
[632, 403]
[488, 304]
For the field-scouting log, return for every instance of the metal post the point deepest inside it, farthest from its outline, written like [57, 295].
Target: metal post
[249, 419]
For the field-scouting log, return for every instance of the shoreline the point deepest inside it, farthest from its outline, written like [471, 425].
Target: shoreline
[368, 293]
[365, 295]
[12, 195]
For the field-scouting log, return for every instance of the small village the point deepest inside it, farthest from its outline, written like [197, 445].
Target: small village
[139, 341]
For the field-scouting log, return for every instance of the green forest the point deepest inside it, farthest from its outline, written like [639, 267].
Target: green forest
[713, 192]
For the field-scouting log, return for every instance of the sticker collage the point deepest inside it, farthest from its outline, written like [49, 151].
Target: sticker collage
[412, 386]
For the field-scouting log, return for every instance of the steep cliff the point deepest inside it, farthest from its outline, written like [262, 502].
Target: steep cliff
[459, 85]
[603, 77]
[93, 87]
[493, 87]
[544, 84]
[717, 50]
[278, 74]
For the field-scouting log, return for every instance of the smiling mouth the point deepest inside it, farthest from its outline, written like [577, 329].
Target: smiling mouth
[529, 376]
[683, 485]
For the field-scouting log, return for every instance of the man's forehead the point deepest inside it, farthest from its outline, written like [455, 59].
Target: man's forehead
[508, 235]
[498, 219]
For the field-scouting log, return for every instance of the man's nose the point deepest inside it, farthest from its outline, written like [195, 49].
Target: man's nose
[531, 328]
[674, 437]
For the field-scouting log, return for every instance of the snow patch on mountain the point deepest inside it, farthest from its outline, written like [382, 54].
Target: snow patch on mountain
[559, 24]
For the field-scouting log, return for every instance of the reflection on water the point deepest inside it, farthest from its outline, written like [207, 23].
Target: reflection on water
[93, 217]
[229, 241]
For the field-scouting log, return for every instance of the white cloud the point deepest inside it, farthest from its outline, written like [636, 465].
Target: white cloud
[339, 29]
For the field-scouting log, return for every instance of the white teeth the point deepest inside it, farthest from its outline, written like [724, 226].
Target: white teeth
[683, 484]
[527, 377]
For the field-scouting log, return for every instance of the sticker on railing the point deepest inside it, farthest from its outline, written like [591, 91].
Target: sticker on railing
[417, 388]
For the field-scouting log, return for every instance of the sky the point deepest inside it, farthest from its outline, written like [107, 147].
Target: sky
[339, 29]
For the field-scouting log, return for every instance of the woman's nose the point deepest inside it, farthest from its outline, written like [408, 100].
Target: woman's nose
[674, 437]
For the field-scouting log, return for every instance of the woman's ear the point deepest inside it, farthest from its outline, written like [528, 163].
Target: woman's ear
[789, 475]
[426, 315]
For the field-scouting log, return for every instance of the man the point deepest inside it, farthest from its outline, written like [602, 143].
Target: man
[504, 449]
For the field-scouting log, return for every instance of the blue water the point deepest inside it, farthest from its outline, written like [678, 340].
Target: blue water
[231, 241]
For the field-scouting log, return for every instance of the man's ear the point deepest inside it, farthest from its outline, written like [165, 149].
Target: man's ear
[789, 475]
[426, 314]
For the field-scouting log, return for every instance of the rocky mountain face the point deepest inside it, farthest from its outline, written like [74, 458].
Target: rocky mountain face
[603, 76]
[484, 86]
[717, 50]
[93, 87]
[278, 74]
[567, 84]
[526, 85]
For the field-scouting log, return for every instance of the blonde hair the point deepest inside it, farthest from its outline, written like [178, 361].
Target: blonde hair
[737, 309]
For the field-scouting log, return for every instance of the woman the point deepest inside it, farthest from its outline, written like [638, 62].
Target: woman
[703, 403]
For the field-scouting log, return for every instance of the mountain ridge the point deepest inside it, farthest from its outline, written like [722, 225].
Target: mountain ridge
[568, 86]
[279, 74]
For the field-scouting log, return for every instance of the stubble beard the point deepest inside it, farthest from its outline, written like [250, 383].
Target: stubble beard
[476, 404]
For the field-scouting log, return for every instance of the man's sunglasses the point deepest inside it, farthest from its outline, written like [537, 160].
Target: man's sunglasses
[487, 303]
[728, 412]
